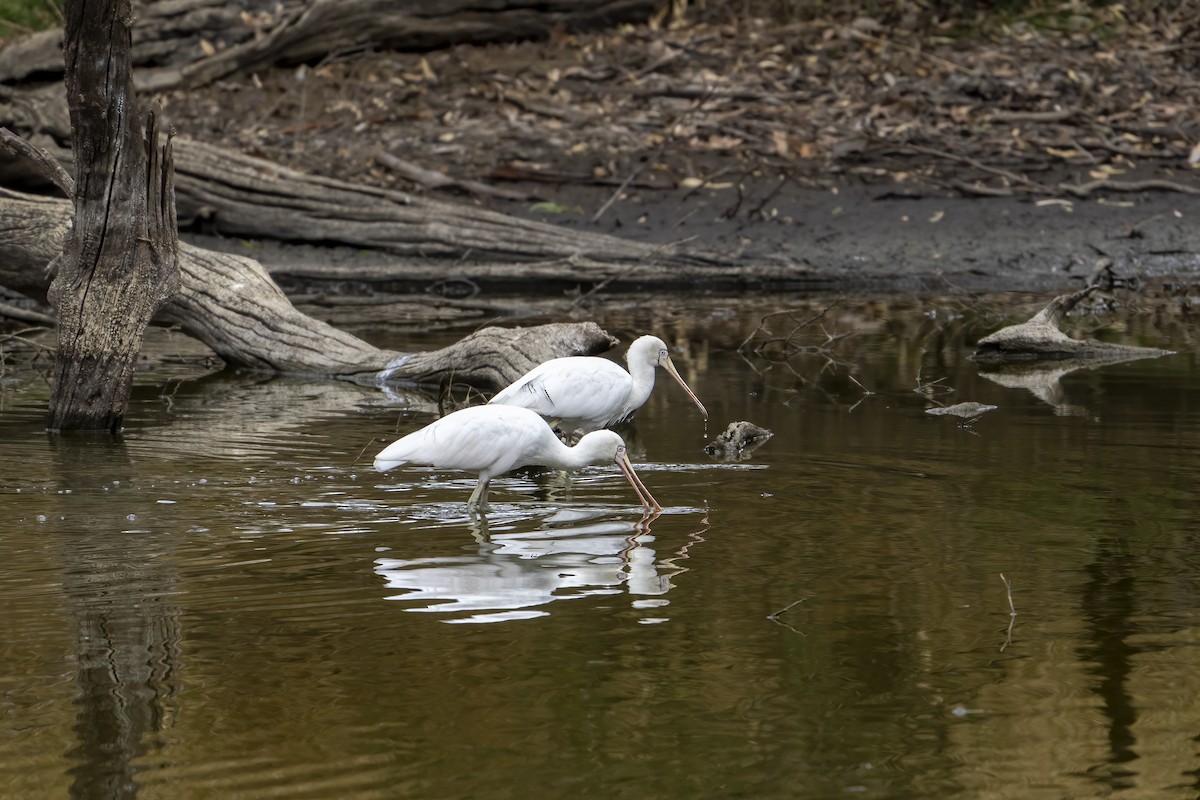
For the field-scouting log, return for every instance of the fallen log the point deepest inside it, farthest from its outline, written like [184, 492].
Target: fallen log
[188, 43]
[232, 305]
[1040, 338]
[237, 195]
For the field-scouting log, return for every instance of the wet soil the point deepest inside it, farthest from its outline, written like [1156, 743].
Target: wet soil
[868, 158]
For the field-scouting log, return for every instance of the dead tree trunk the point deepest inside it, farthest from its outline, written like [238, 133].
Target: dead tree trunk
[119, 263]
[240, 195]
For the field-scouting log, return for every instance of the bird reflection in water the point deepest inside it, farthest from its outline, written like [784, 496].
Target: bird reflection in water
[515, 575]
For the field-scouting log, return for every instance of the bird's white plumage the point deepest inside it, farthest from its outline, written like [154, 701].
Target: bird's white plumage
[589, 392]
[584, 392]
[492, 440]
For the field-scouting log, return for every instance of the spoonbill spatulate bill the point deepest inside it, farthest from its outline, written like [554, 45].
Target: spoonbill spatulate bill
[492, 440]
[588, 392]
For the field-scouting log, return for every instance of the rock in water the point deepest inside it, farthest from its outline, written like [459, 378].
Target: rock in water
[738, 441]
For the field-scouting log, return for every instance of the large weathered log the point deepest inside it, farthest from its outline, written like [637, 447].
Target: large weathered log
[119, 262]
[238, 195]
[241, 195]
[189, 43]
[232, 305]
[1040, 338]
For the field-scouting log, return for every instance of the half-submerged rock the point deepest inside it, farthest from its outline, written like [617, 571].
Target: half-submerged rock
[738, 441]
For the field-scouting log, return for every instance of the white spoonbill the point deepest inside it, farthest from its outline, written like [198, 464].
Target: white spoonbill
[589, 392]
[492, 440]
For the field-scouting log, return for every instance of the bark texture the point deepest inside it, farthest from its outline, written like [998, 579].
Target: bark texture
[119, 261]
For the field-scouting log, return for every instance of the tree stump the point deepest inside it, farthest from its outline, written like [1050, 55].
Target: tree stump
[119, 263]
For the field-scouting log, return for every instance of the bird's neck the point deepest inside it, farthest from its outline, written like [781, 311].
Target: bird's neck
[642, 375]
[572, 458]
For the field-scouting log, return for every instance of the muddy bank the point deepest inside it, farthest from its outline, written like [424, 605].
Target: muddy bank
[854, 156]
[851, 237]
[821, 155]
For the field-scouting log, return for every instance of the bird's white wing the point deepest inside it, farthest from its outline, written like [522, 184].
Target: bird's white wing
[577, 388]
[478, 439]
[526, 391]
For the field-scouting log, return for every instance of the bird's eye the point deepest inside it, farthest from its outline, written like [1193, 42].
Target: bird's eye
[662, 354]
[620, 450]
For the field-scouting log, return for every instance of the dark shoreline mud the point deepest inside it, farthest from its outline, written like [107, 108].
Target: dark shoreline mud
[857, 238]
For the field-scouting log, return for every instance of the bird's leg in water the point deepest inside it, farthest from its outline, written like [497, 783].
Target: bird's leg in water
[564, 477]
[643, 525]
[478, 525]
[478, 500]
[568, 437]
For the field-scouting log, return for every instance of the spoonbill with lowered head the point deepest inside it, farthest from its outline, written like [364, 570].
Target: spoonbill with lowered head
[589, 392]
[492, 440]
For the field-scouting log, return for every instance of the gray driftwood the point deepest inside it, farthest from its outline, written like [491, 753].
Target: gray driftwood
[1040, 338]
[232, 305]
[242, 196]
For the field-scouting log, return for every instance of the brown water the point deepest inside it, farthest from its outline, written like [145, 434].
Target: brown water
[231, 603]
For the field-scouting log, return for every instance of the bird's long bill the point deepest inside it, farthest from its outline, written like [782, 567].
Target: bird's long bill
[670, 367]
[640, 488]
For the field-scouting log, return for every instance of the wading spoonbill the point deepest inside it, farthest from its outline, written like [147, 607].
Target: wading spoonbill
[588, 392]
[492, 440]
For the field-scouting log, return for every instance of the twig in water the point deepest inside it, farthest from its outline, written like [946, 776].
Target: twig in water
[1012, 612]
[866, 393]
[927, 388]
[776, 616]
[923, 388]
[1012, 609]
[785, 341]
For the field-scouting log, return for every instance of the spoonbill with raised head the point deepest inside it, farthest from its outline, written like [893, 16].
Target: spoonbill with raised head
[492, 440]
[589, 392]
